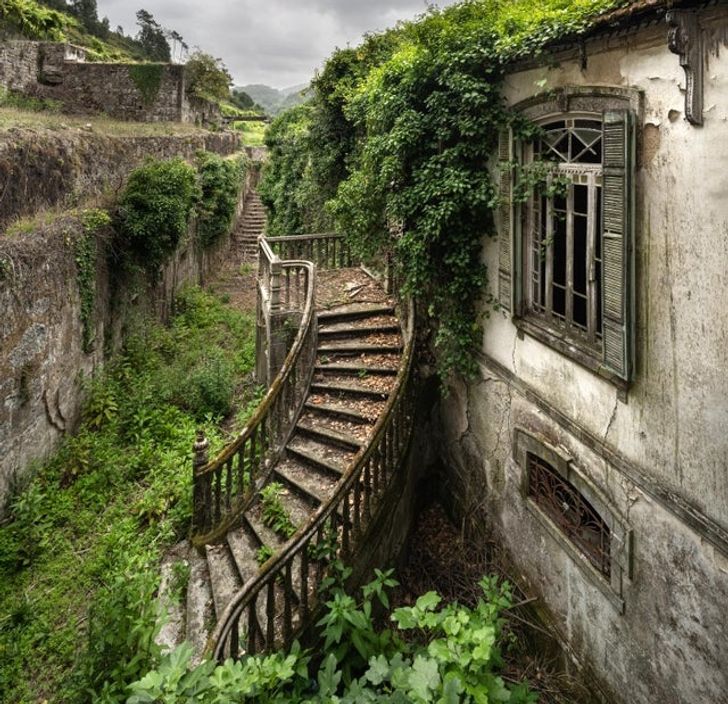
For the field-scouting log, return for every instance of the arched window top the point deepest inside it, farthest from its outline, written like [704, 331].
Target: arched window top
[571, 140]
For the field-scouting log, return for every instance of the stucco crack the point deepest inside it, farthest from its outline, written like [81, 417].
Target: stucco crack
[611, 419]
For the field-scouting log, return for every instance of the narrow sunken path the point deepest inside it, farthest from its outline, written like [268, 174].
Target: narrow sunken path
[359, 350]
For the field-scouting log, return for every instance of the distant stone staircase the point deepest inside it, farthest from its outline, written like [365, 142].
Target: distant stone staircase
[250, 228]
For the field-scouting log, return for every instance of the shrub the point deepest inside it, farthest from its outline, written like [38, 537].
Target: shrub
[209, 388]
[220, 181]
[451, 654]
[154, 210]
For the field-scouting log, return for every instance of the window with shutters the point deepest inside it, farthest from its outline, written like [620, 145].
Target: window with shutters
[565, 268]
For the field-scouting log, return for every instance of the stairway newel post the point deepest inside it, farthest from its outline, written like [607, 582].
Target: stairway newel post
[201, 496]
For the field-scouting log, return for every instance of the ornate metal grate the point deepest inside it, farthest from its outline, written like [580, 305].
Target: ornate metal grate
[564, 504]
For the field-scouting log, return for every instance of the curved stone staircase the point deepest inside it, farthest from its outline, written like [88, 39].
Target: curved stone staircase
[329, 438]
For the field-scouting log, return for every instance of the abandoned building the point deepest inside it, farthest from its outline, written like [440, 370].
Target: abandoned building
[591, 448]
[598, 422]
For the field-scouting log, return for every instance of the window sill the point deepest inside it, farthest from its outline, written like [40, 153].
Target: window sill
[559, 341]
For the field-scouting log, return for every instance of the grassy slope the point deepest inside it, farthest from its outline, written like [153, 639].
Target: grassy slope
[87, 535]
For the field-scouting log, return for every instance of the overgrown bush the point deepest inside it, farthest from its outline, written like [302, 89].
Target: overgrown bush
[287, 187]
[433, 654]
[154, 210]
[32, 20]
[397, 143]
[220, 183]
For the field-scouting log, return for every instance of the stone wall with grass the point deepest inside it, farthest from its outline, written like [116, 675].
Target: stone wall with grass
[42, 169]
[67, 298]
[142, 92]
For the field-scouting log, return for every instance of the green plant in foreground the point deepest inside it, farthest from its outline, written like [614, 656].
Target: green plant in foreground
[451, 654]
[275, 515]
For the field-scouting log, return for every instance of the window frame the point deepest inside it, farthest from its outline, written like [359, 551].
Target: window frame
[620, 533]
[565, 102]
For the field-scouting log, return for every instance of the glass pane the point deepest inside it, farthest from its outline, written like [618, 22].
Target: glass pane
[559, 247]
[580, 251]
[581, 200]
[580, 316]
[598, 268]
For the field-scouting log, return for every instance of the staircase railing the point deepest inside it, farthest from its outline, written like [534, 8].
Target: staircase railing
[223, 486]
[327, 250]
[276, 603]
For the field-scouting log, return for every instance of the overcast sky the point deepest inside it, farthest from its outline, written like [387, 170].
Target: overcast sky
[277, 42]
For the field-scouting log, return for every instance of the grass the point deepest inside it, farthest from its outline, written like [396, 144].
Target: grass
[252, 133]
[38, 119]
[79, 557]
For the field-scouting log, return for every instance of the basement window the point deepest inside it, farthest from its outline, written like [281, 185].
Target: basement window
[562, 502]
[569, 507]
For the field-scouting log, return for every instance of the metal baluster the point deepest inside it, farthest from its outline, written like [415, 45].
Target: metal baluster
[252, 625]
[228, 482]
[287, 596]
[345, 527]
[218, 494]
[304, 579]
[270, 614]
[357, 508]
[235, 639]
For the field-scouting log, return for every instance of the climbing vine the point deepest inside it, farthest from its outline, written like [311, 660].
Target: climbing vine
[148, 79]
[220, 182]
[85, 256]
[399, 139]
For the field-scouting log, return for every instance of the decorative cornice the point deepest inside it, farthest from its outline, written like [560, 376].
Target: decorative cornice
[685, 39]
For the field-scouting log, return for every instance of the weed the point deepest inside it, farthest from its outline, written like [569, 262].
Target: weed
[275, 515]
[263, 554]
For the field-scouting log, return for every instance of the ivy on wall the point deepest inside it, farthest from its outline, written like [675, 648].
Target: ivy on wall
[397, 140]
[148, 80]
[86, 251]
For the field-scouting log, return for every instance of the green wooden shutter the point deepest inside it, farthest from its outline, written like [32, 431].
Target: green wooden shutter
[505, 220]
[618, 242]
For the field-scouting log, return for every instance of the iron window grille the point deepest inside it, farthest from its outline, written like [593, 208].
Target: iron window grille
[564, 504]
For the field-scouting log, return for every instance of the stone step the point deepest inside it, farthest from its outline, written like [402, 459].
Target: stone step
[309, 484]
[242, 547]
[200, 610]
[315, 460]
[355, 348]
[338, 411]
[349, 389]
[353, 311]
[329, 437]
[224, 577]
[351, 331]
[355, 369]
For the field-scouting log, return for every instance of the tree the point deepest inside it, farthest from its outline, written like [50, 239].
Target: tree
[242, 100]
[151, 37]
[207, 77]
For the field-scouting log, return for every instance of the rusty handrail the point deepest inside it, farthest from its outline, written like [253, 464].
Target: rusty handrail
[333, 531]
[222, 487]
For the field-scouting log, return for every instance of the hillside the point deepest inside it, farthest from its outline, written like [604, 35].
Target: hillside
[33, 20]
[274, 100]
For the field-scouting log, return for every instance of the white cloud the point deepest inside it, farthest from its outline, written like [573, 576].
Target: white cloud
[278, 42]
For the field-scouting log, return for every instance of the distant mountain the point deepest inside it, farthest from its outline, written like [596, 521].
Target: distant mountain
[274, 100]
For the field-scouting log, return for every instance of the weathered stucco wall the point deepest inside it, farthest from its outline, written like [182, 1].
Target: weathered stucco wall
[44, 168]
[661, 456]
[42, 362]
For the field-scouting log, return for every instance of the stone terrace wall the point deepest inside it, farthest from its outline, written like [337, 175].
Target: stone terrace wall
[59, 72]
[110, 89]
[19, 64]
[42, 361]
[47, 169]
